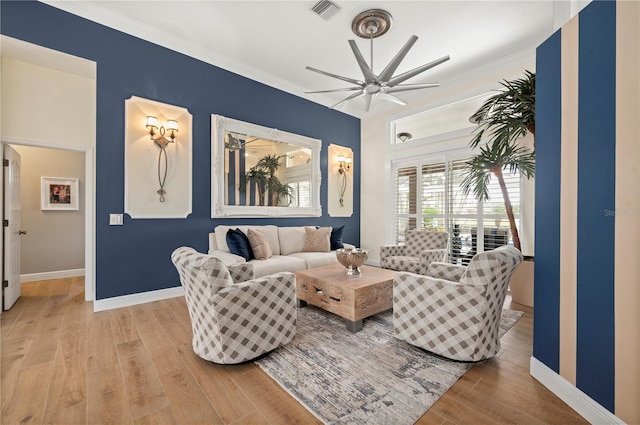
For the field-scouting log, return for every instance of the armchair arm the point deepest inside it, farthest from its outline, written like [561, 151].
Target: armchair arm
[447, 271]
[241, 272]
[266, 283]
[388, 251]
[227, 258]
[407, 287]
[392, 250]
[429, 256]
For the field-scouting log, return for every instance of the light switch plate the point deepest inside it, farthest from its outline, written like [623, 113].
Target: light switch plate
[115, 219]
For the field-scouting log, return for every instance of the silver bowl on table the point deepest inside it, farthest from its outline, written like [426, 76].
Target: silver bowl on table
[352, 259]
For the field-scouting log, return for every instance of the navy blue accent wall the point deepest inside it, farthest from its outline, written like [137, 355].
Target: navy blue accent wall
[596, 193]
[546, 321]
[136, 257]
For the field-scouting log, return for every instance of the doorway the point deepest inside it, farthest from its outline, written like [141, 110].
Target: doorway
[52, 230]
[57, 243]
[43, 91]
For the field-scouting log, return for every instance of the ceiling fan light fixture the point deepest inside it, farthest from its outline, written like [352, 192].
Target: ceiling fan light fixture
[404, 136]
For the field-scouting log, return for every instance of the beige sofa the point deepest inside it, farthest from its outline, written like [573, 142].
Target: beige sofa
[286, 243]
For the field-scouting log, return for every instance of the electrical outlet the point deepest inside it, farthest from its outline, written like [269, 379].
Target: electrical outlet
[115, 220]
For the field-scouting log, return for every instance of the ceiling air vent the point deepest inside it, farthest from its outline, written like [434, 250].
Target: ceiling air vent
[326, 9]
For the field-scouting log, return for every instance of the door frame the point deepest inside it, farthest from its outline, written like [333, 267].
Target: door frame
[89, 206]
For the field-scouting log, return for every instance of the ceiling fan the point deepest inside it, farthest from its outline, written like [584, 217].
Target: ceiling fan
[371, 24]
[237, 142]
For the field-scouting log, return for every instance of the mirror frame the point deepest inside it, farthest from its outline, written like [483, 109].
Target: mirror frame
[220, 124]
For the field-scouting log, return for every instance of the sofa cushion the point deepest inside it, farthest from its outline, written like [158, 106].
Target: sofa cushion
[239, 244]
[317, 259]
[270, 231]
[317, 240]
[291, 239]
[276, 264]
[259, 244]
[336, 238]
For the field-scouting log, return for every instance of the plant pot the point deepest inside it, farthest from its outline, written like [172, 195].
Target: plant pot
[521, 284]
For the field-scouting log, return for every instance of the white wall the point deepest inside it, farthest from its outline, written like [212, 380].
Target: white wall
[55, 239]
[49, 100]
[377, 150]
[45, 106]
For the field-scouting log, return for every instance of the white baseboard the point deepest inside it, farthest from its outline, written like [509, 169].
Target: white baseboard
[570, 394]
[141, 298]
[60, 274]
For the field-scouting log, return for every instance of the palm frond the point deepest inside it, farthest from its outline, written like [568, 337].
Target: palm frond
[510, 112]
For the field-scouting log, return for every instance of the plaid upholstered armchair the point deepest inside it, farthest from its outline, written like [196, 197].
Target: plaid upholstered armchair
[421, 247]
[454, 311]
[235, 321]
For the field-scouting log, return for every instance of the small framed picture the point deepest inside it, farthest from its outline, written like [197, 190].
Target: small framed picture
[59, 193]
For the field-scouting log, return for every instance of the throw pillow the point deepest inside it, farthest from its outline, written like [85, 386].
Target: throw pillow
[317, 240]
[336, 238]
[259, 244]
[238, 244]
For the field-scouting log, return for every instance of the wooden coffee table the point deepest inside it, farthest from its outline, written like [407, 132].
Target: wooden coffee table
[351, 297]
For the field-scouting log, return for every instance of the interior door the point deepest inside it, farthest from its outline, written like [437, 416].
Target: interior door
[12, 232]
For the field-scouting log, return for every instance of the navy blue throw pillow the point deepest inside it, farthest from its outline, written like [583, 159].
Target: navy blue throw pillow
[336, 237]
[238, 244]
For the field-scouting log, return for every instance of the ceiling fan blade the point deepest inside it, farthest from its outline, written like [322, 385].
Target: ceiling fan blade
[405, 76]
[407, 87]
[353, 96]
[367, 102]
[391, 98]
[339, 77]
[334, 90]
[366, 71]
[387, 73]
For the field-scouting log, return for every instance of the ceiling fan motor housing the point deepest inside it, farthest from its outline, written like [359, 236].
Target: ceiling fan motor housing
[372, 23]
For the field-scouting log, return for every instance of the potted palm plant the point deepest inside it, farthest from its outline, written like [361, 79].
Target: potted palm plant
[503, 120]
[263, 175]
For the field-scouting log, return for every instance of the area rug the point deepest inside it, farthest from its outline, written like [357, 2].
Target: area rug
[368, 377]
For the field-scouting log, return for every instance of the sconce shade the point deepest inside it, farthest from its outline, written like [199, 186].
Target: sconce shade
[152, 122]
[172, 125]
[341, 159]
[347, 160]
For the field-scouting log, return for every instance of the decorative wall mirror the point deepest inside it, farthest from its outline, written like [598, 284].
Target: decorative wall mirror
[258, 171]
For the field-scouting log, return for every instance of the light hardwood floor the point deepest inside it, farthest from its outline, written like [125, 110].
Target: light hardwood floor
[63, 364]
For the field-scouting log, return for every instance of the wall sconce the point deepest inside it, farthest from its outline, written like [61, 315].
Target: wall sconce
[344, 166]
[161, 141]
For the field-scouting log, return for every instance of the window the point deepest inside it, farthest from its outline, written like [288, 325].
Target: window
[301, 194]
[428, 196]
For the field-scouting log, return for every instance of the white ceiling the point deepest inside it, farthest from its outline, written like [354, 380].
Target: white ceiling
[273, 41]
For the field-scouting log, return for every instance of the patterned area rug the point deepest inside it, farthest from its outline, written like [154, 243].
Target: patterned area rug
[364, 378]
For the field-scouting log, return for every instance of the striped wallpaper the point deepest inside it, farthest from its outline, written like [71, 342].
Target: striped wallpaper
[586, 321]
